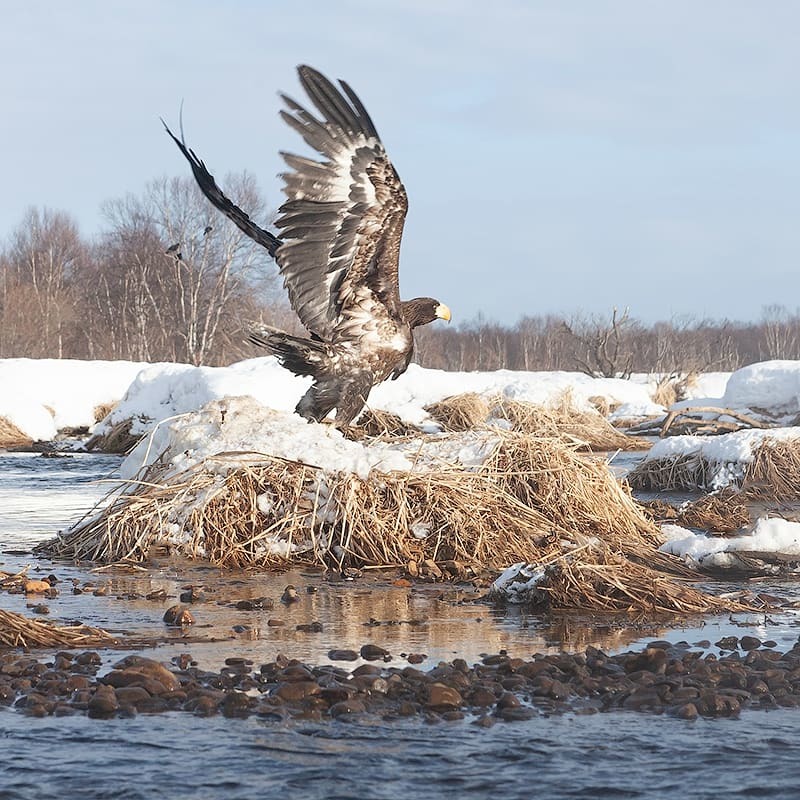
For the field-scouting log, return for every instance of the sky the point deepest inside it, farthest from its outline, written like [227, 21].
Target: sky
[559, 157]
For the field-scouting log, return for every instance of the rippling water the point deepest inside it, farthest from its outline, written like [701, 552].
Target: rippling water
[617, 755]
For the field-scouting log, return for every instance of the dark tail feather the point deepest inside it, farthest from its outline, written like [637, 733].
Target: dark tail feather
[301, 356]
[208, 186]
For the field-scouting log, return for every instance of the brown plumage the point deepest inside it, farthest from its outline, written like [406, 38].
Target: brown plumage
[338, 253]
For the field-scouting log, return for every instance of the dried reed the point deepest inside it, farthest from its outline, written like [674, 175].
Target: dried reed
[772, 474]
[12, 436]
[534, 499]
[19, 631]
[461, 412]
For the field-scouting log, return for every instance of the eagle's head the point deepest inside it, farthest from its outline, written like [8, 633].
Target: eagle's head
[422, 310]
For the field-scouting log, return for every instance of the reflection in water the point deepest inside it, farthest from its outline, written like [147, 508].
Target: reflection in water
[609, 755]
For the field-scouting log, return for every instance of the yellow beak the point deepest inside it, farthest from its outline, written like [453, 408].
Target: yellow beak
[443, 312]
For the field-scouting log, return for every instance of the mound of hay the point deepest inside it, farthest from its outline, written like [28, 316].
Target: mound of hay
[723, 512]
[383, 424]
[102, 411]
[771, 472]
[19, 631]
[461, 412]
[12, 436]
[534, 499]
[588, 429]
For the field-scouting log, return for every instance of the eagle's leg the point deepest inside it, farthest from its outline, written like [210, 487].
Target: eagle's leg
[353, 398]
[318, 401]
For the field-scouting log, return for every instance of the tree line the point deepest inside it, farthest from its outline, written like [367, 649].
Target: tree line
[168, 279]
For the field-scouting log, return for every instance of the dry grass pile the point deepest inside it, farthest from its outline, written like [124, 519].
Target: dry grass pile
[102, 411]
[12, 436]
[673, 388]
[117, 438]
[588, 429]
[685, 472]
[772, 474]
[723, 512]
[535, 499]
[378, 424]
[19, 631]
[461, 412]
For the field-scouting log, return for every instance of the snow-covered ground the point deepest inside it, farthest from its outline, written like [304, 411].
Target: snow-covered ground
[42, 397]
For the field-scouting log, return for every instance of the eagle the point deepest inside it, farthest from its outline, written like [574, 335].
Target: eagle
[338, 253]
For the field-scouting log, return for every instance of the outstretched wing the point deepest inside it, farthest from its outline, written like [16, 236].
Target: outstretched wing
[205, 180]
[342, 221]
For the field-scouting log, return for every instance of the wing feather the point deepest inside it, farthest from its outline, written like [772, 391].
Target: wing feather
[343, 217]
[208, 186]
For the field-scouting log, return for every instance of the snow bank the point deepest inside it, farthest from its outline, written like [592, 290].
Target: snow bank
[167, 390]
[727, 455]
[243, 426]
[769, 536]
[773, 386]
[769, 389]
[44, 396]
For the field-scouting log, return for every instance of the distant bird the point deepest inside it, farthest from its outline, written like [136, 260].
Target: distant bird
[174, 250]
[207, 230]
[339, 254]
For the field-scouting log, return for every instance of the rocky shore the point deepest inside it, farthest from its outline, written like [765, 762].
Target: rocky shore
[678, 679]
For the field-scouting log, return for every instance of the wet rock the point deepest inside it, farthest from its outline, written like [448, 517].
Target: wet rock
[192, 594]
[290, 595]
[442, 697]
[178, 616]
[275, 623]
[351, 706]
[309, 627]
[297, 690]
[518, 714]
[255, 604]
[134, 667]
[103, 703]
[342, 655]
[372, 652]
[749, 643]
[40, 608]
[131, 695]
[686, 711]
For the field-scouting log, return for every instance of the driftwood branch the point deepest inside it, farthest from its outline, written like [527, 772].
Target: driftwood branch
[745, 419]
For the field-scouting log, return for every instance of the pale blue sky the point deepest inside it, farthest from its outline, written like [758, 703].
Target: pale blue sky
[558, 156]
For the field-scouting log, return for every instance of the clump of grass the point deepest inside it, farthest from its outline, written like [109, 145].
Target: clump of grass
[533, 499]
[12, 436]
[461, 412]
[19, 631]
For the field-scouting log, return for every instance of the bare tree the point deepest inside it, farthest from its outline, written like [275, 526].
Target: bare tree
[173, 280]
[603, 348]
[37, 299]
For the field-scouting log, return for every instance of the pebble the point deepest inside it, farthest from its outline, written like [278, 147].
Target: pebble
[662, 678]
[178, 616]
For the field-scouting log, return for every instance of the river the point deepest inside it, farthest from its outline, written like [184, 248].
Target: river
[177, 755]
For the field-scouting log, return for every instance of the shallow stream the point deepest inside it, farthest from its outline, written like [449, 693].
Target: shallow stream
[619, 754]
